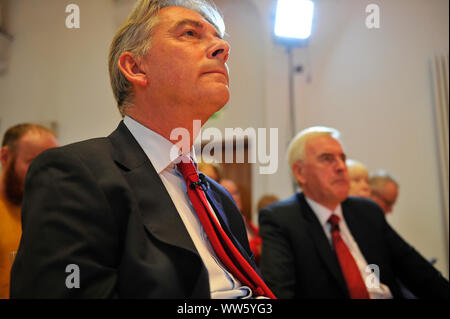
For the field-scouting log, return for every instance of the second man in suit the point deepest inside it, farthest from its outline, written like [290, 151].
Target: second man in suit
[320, 243]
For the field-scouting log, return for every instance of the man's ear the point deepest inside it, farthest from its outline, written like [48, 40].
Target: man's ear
[298, 169]
[5, 154]
[129, 66]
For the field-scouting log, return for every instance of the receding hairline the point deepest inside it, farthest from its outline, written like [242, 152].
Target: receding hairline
[297, 147]
[356, 166]
[380, 178]
[15, 133]
[195, 23]
[208, 17]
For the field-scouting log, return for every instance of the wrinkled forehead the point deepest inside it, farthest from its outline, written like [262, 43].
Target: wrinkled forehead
[34, 140]
[358, 172]
[324, 144]
[209, 14]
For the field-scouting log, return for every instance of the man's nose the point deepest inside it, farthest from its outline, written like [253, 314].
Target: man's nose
[340, 164]
[220, 49]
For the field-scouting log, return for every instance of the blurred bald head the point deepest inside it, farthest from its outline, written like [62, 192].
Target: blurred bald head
[384, 189]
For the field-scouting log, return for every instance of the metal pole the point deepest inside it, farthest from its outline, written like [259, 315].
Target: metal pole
[291, 91]
[292, 101]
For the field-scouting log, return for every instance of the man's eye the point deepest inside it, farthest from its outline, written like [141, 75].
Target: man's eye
[190, 33]
[328, 159]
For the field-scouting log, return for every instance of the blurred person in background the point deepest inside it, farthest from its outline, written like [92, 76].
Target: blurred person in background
[384, 189]
[359, 178]
[21, 144]
[212, 170]
[322, 243]
[234, 191]
[266, 200]
[252, 229]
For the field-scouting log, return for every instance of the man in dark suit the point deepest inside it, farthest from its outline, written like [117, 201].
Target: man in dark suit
[110, 217]
[307, 253]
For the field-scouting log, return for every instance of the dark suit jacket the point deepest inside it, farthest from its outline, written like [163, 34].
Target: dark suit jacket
[100, 204]
[298, 260]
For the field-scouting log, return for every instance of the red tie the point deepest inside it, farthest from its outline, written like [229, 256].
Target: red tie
[350, 270]
[221, 243]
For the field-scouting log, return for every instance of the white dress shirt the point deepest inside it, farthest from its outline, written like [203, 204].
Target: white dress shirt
[323, 214]
[222, 283]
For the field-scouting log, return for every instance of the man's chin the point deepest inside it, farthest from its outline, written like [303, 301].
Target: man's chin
[341, 195]
[218, 100]
[221, 95]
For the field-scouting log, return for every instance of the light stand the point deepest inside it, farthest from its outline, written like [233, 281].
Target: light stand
[293, 24]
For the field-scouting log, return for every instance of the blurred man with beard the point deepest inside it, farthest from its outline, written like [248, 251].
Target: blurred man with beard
[21, 144]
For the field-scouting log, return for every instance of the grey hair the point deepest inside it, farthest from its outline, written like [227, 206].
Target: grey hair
[297, 147]
[135, 36]
[354, 164]
[379, 178]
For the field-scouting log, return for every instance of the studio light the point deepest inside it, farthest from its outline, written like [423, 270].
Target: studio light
[292, 29]
[293, 21]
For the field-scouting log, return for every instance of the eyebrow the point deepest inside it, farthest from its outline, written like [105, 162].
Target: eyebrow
[332, 154]
[195, 23]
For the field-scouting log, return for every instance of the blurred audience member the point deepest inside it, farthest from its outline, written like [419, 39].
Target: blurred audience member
[384, 190]
[21, 144]
[359, 178]
[323, 244]
[252, 229]
[233, 189]
[266, 200]
[212, 170]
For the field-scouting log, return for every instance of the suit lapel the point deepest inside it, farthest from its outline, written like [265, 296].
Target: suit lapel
[220, 213]
[321, 241]
[156, 208]
[359, 232]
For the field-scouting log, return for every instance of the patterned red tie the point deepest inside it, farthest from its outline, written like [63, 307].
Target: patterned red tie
[221, 243]
[350, 270]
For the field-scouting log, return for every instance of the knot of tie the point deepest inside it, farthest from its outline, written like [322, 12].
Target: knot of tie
[188, 170]
[334, 222]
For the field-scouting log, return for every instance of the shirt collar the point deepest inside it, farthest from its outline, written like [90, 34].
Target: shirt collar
[156, 147]
[323, 213]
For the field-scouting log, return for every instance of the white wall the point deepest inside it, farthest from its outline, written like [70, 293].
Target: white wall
[373, 85]
[60, 74]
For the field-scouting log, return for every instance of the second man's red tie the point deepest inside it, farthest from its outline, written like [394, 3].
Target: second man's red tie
[224, 248]
[350, 270]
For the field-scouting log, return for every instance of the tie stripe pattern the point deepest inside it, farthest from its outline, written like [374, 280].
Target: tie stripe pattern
[229, 255]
